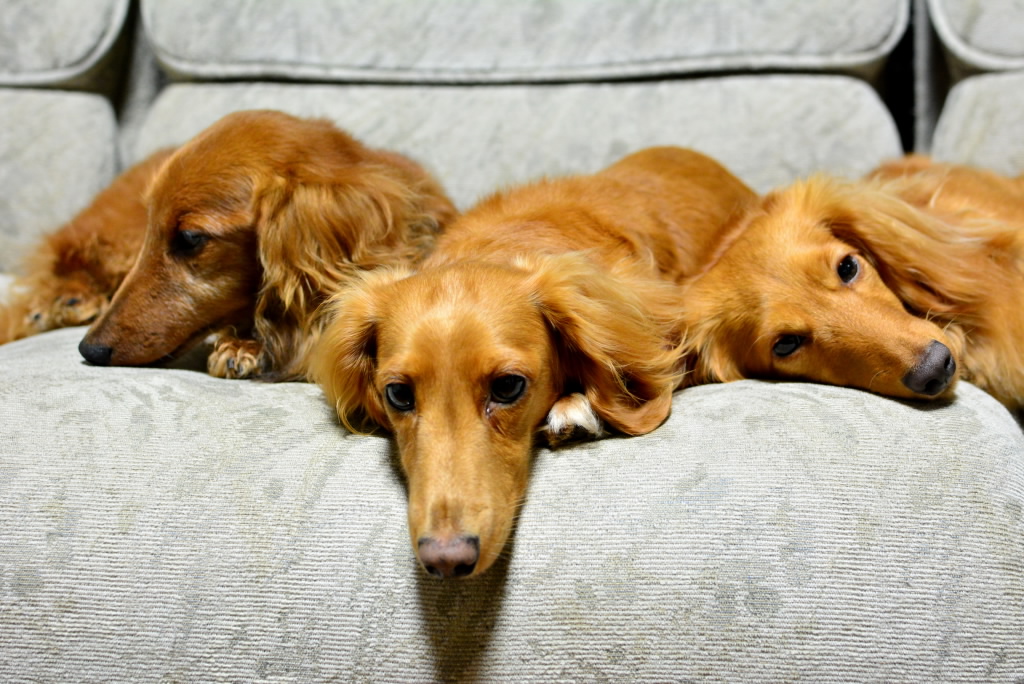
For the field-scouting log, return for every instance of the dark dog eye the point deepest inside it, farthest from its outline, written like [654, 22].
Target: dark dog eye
[507, 388]
[188, 242]
[848, 268]
[400, 396]
[787, 344]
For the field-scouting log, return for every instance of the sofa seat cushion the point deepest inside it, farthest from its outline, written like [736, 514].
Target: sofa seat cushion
[58, 42]
[57, 150]
[980, 36]
[163, 524]
[768, 130]
[981, 123]
[496, 40]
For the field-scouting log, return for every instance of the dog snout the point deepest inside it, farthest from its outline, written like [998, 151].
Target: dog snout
[933, 372]
[445, 558]
[96, 354]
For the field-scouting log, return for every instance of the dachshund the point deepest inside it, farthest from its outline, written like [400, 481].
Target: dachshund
[70, 277]
[899, 284]
[550, 307]
[252, 225]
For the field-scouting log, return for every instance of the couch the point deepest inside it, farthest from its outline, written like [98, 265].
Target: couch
[158, 524]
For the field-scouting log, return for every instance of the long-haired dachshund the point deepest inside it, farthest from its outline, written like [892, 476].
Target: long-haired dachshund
[252, 225]
[549, 307]
[72, 274]
[898, 284]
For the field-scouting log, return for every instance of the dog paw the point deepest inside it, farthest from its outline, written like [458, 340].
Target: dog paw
[572, 418]
[77, 309]
[235, 359]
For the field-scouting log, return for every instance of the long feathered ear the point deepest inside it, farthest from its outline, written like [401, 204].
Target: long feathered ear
[344, 360]
[312, 238]
[711, 328]
[623, 357]
[932, 264]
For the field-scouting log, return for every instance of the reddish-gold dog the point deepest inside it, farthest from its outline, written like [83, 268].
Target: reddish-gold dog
[70, 278]
[897, 284]
[252, 224]
[548, 307]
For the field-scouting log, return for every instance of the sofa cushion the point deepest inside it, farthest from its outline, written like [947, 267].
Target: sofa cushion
[57, 150]
[163, 524]
[980, 36]
[496, 40]
[769, 130]
[58, 42]
[981, 123]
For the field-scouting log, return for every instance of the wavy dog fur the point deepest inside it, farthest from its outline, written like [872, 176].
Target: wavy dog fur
[252, 225]
[74, 271]
[939, 268]
[546, 307]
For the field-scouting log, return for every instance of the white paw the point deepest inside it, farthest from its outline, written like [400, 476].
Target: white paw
[572, 417]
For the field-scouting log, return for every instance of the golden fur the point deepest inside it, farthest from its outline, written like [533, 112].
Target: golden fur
[939, 250]
[71, 276]
[540, 307]
[252, 225]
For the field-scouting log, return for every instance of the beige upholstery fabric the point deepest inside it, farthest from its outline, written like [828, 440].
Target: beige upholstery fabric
[980, 36]
[480, 138]
[56, 152]
[981, 123]
[58, 42]
[527, 40]
[162, 524]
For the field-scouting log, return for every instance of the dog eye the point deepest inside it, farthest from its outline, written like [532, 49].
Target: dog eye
[507, 388]
[400, 396]
[188, 242]
[787, 344]
[848, 268]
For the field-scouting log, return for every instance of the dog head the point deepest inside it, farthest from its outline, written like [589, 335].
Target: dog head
[462, 364]
[252, 224]
[824, 282]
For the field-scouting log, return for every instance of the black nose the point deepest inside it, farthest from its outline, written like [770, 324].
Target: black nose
[933, 371]
[455, 557]
[96, 354]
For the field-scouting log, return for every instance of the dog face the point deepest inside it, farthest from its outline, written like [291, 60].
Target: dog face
[462, 364]
[250, 226]
[801, 294]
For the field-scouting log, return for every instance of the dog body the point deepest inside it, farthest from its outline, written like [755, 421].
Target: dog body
[252, 225]
[550, 306]
[897, 284]
[69, 279]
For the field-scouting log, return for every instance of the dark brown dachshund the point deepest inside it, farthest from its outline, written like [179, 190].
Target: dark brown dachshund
[252, 224]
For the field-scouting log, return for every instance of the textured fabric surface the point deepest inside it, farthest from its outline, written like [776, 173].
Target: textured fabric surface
[163, 525]
[768, 130]
[981, 34]
[531, 40]
[57, 150]
[56, 42]
[981, 123]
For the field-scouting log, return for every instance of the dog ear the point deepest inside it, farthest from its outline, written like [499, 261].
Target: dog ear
[314, 237]
[344, 360]
[711, 328]
[614, 335]
[928, 262]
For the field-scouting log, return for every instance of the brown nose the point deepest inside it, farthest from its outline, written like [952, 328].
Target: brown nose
[933, 371]
[455, 557]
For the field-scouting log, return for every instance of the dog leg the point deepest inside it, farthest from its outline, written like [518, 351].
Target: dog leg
[235, 358]
[571, 418]
[78, 309]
